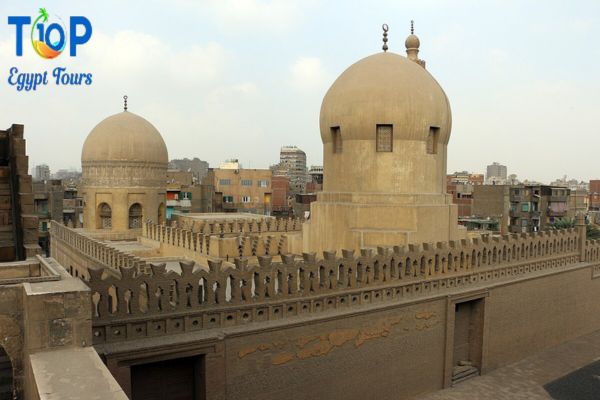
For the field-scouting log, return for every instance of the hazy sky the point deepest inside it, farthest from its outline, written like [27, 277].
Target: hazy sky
[240, 78]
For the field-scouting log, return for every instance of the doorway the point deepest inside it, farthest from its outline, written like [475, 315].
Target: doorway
[6, 376]
[468, 339]
[177, 379]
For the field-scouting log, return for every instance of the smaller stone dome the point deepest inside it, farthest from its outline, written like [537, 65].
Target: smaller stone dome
[412, 42]
[124, 137]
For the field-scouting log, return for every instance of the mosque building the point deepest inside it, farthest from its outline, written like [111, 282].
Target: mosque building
[380, 283]
[124, 173]
[385, 126]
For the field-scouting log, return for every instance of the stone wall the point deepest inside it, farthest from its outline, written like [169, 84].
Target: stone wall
[370, 325]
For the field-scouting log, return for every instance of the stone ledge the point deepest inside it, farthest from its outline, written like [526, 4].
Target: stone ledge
[76, 373]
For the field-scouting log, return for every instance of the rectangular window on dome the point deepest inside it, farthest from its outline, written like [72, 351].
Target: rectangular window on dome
[432, 140]
[336, 138]
[385, 138]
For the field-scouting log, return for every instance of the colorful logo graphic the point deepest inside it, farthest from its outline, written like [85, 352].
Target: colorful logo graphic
[51, 36]
[49, 33]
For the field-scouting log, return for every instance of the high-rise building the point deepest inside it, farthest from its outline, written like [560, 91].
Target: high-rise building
[292, 163]
[495, 173]
[42, 172]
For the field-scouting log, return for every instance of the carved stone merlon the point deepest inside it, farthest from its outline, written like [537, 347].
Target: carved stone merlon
[187, 268]
[265, 261]
[347, 254]
[158, 270]
[309, 258]
[241, 263]
[368, 253]
[214, 266]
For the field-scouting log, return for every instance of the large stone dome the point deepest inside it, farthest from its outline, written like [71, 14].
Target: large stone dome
[385, 88]
[124, 137]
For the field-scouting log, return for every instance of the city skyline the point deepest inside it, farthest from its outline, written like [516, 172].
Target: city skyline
[252, 75]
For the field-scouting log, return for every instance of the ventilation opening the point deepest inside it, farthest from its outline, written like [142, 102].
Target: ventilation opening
[432, 140]
[336, 138]
[385, 138]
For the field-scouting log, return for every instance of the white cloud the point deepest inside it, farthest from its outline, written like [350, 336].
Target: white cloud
[251, 15]
[130, 56]
[308, 74]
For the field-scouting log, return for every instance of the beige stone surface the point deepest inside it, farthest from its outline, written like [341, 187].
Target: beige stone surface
[383, 198]
[75, 373]
[124, 162]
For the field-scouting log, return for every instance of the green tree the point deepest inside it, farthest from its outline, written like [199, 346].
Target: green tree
[592, 232]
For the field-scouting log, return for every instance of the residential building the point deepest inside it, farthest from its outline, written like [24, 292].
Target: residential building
[316, 179]
[195, 166]
[460, 186]
[492, 202]
[292, 163]
[281, 196]
[465, 177]
[572, 184]
[42, 172]
[534, 208]
[578, 203]
[594, 195]
[496, 172]
[72, 208]
[48, 198]
[462, 196]
[240, 190]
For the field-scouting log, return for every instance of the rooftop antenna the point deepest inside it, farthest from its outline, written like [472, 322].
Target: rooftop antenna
[125, 103]
[385, 39]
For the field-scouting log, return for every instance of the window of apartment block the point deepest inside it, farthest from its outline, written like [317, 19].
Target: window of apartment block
[525, 207]
[432, 140]
[227, 199]
[246, 182]
[263, 183]
[524, 223]
[336, 138]
[246, 199]
[385, 138]
[224, 181]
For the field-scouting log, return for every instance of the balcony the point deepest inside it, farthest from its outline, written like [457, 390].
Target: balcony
[556, 213]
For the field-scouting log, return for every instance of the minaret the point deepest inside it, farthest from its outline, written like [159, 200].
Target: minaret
[412, 44]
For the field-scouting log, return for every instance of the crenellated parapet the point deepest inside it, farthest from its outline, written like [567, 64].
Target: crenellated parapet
[132, 304]
[216, 245]
[99, 254]
[241, 226]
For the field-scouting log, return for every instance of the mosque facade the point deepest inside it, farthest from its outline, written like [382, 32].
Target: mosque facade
[377, 295]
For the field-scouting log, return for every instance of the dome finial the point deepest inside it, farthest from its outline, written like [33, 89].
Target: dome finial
[412, 46]
[125, 103]
[385, 39]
